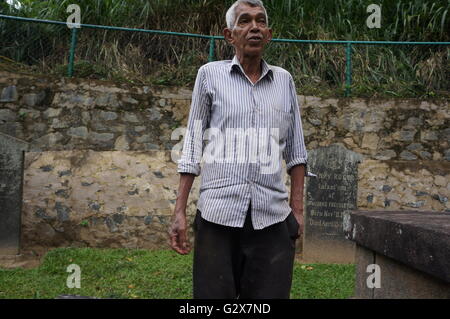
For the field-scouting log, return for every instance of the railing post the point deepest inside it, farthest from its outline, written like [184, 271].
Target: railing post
[73, 45]
[348, 69]
[212, 44]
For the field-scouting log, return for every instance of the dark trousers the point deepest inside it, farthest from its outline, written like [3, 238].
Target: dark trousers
[243, 263]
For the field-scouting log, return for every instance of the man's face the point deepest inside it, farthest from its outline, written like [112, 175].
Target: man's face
[250, 33]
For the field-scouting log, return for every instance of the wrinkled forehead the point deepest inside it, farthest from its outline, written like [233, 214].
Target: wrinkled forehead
[246, 9]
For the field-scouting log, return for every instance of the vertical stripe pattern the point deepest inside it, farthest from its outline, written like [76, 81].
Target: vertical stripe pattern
[237, 135]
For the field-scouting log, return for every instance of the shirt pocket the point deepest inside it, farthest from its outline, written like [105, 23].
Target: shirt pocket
[278, 121]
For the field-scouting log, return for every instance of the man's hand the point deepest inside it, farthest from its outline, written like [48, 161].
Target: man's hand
[296, 200]
[178, 229]
[298, 214]
[178, 233]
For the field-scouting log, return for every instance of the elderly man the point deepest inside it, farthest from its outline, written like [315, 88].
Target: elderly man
[245, 229]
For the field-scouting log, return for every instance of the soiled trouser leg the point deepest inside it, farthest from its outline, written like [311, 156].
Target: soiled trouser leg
[216, 260]
[234, 262]
[269, 258]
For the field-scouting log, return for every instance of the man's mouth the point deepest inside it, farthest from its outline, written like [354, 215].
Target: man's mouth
[255, 38]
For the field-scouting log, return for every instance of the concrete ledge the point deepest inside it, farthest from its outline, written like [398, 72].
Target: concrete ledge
[420, 240]
[396, 281]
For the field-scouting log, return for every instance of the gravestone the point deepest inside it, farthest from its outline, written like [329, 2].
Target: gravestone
[11, 179]
[329, 196]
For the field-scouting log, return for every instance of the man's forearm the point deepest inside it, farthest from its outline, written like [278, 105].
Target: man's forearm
[297, 185]
[186, 181]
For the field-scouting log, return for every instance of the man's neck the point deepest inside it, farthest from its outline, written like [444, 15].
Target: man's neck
[251, 66]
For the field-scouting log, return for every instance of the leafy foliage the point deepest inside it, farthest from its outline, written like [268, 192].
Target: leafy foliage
[406, 71]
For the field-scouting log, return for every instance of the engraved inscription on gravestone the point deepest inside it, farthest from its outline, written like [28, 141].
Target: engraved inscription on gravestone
[328, 197]
[11, 179]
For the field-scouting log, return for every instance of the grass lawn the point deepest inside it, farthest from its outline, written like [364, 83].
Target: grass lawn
[130, 273]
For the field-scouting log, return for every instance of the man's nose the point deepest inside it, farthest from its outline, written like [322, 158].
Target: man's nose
[254, 26]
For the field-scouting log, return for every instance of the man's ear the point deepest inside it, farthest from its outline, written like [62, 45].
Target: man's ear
[269, 38]
[227, 34]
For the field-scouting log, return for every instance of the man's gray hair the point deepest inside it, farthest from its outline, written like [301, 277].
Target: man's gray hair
[231, 13]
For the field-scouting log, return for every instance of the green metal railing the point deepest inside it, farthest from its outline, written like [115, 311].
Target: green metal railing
[347, 43]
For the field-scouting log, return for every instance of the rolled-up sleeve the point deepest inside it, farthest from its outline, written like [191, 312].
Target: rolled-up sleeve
[198, 122]
[295, 151]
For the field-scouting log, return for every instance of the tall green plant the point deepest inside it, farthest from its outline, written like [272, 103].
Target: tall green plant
[166, 59]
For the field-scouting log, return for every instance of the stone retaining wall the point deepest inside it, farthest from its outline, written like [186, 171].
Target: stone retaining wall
[99, 199]
[126, 198]
[100, 171]
[66, 114]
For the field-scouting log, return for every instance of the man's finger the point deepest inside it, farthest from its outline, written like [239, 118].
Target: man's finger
[183, 239]
[174, 244]
[300, 232]
[174, 241]
[179, 242]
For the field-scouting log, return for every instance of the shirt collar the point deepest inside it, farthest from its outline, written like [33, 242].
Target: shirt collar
[266, 68]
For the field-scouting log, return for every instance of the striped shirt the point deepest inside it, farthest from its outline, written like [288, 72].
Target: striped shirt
[237, 135]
